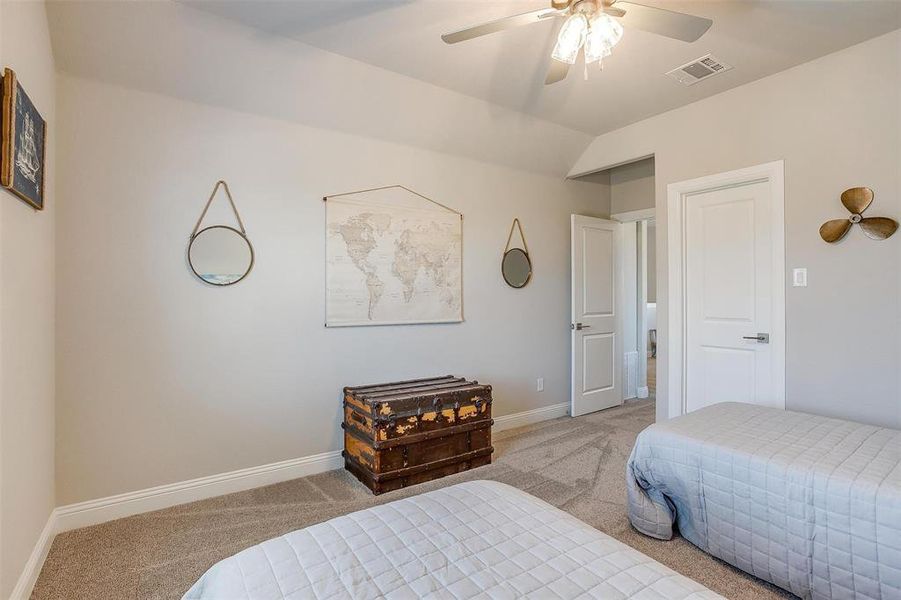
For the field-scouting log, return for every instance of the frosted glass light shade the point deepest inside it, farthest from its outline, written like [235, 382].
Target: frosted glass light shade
[570, 39]
[603, 34]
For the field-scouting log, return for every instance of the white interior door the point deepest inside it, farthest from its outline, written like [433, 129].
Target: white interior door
[596, 314]
[729, 297]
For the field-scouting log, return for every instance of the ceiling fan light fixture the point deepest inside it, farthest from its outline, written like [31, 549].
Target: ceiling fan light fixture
[604, 32]
[588, 27]
[571, 38]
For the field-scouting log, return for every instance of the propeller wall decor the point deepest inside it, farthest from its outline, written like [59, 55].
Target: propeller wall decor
[856, 200]
[590, 28]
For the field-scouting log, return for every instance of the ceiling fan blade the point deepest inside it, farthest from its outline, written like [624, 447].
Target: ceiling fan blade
[499, 25]
[856, 200]
[556, 71]
[878, 228]
[833, 231]
[614, 12]
[679, 26]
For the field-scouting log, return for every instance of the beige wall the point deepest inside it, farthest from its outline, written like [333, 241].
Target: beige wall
[836, 125]
[162, 378]
[26, 314]
[632, 186]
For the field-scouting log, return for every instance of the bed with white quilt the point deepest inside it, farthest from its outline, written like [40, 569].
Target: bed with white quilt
[479, 539]
[809, 503]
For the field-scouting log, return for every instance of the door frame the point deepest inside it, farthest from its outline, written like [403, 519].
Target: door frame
[642, 309]
[641, 217]
[678, 194]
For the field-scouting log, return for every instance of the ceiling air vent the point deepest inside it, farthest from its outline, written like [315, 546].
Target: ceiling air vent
[702, 68]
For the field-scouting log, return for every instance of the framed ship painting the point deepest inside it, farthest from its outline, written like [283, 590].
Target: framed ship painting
[24, 132]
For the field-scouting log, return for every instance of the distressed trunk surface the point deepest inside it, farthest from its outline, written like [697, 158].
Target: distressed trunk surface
[408, 432]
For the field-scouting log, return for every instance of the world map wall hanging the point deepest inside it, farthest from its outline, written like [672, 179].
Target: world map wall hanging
[392, 256]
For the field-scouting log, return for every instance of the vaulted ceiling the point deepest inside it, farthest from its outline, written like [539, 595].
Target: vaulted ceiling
[378, 68]
[757, 37]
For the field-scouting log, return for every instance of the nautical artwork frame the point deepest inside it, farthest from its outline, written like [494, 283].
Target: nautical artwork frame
[23, 144]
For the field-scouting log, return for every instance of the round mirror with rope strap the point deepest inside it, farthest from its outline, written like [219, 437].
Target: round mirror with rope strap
[516, 265]
[219, 254]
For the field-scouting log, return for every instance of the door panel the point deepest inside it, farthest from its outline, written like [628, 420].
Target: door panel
[726, 364]
[728, 292]
[596, 314]
[597, 271]
[728, 295]
[599, 362]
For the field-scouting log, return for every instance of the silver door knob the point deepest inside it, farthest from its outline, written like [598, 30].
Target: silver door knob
[580, 327]
[762, 338]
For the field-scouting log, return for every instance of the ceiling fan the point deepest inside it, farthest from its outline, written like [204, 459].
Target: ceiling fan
[589, 27]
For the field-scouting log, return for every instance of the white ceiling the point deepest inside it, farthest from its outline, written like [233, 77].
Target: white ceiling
[757, 37]
[171, 49]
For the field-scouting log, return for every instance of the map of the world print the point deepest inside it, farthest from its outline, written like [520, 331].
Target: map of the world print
[392, 257]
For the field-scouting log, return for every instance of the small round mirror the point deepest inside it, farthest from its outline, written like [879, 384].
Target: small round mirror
[220, 255]
[516, 267]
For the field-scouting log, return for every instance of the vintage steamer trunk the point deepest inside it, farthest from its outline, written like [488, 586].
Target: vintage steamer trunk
[404, 433]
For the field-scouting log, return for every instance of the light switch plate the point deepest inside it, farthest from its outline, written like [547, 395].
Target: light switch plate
[539, 384]
[799, 277]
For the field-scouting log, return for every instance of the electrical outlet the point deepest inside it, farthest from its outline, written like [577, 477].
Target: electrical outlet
[799, 277]
[539, 384]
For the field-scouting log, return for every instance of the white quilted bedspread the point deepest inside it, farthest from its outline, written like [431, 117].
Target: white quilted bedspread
[809, 503]
[480, 539]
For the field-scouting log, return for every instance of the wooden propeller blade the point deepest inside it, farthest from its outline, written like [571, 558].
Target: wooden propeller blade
[499, 25]
[679, 26]
[878, 228]
[856, 200]
[833, 231]
[556, 71]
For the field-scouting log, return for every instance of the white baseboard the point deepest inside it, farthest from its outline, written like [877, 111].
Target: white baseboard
[35, 562]
[531, 416]
[644, 392]
[101, 510]
[92, 512]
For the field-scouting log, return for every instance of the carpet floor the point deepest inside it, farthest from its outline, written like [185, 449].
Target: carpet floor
[575, 464]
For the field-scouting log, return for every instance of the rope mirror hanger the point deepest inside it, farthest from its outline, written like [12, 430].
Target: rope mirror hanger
[516, 264]
[220, 255]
